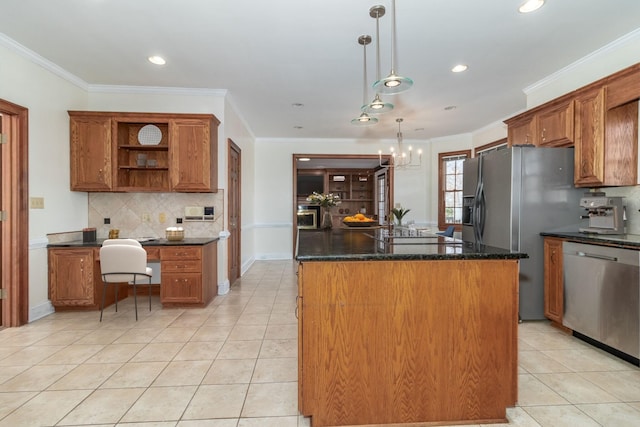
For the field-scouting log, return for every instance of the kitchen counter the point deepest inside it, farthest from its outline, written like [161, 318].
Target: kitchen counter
[193, 241]
[628, 241]
[362, 244]
[428, 321]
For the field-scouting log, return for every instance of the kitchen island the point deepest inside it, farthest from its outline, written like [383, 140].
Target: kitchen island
[400, 330]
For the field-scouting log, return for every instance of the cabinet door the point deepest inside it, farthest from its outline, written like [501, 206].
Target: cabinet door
[556, 126]
[193, 155]
[181, 288]
[589, 138]
[523, 131]
[90, 153]
[553, 280]
[71, 277]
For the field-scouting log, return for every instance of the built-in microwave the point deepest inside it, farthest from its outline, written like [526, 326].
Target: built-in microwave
[308, 216]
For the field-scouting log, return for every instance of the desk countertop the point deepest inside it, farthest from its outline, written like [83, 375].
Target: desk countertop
[192, 241]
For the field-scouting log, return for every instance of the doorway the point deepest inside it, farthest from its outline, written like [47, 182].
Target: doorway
[235, 209]
[14, 215]
[311, 173]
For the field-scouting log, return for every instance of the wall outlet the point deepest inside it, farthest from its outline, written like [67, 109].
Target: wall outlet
[107, 220]
[36, 202]
[162, 217]
[146, 218]
[178, 220]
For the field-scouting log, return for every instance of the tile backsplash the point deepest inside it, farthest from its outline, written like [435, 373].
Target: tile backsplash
[142, 214]
[631, 202]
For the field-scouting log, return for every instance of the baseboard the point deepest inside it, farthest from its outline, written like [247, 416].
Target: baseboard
[40, 311]
[223, 288]
[247, 265]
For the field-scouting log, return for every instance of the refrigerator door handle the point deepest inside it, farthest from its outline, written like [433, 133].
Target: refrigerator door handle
[481, 213]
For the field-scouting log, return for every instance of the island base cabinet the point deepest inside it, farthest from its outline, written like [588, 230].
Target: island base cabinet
[388, 342]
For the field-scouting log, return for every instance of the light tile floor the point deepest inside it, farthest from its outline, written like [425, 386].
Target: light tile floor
[233, 364]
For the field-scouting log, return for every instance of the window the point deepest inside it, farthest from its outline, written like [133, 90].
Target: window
[500, 144]
[450, 188]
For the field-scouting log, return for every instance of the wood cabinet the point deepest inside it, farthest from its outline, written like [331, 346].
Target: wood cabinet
[75, 281]
[189, 276]
[438, 336]
[551, 126]
[553, 280]
[193, 156]
[181, 275]
[90, 153]
[356, 190]
[606, 147]
[107, 154]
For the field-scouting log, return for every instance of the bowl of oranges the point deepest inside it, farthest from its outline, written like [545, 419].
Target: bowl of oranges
[359, 220]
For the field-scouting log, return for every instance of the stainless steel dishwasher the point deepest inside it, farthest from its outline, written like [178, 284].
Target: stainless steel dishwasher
[602, 295]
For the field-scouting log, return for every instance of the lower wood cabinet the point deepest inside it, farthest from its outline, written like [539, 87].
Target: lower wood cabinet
[553, 280]
[189, 276]
[75, 281]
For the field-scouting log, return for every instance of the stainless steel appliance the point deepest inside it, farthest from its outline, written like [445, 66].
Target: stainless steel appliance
[512, 195]
[602, 295]
[606, 214]
[308, 216]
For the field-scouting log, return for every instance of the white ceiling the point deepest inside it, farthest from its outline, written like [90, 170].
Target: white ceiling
[269, 55]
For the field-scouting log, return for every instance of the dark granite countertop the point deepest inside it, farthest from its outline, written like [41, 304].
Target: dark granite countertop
[193, 241]
[341, 244]
[631, 241]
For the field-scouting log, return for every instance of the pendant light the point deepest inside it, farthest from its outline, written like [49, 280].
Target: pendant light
[364, 119]
[393, 83]
[377, 106]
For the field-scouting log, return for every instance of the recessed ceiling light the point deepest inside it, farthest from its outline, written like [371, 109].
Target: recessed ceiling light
[297, 104]
[450, 107]
[459, 68]
[158, 60]
[530, 6]
[304, 159]
[297, 127]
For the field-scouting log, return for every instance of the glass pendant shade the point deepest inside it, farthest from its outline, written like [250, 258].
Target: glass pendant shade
[377, 106]
[364, 120]
[393, 83]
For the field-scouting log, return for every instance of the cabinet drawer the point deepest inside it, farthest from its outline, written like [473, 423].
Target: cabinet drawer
[187, 266]
[181, 252]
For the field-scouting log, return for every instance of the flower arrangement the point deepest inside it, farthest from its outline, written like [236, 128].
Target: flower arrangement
[324, 200]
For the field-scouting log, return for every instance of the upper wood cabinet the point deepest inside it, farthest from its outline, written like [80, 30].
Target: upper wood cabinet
[555, 125]
[182, 157]
[606, 141]
[550, 126]
[192, 156]
[90, 153]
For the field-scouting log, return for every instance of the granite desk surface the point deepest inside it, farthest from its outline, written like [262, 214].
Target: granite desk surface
[144, 241]
[631, 241]
[361, 244]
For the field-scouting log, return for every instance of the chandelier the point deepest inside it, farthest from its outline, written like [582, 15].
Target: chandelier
[401, 159]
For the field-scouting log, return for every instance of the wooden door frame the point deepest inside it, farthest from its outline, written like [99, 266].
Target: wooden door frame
[14, 264]
[232, 146]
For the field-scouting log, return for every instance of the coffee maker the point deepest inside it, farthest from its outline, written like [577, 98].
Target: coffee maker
[606, 214]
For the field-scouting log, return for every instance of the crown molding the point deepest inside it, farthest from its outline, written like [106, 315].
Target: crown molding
[566, 71]
[30, 55]
[156, 90]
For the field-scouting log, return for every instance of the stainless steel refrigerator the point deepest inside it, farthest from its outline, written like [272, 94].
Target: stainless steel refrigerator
[509, 197]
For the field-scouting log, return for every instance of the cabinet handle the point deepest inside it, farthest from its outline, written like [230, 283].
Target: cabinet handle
[543, 131]
[297, 308]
